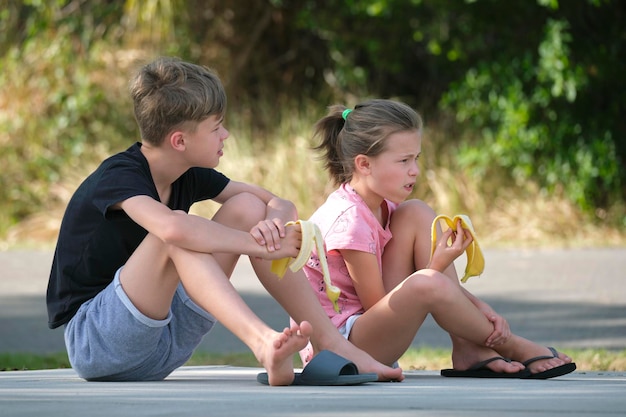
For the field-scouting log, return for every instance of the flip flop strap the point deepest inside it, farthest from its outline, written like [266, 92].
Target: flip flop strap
[555, 354]
[483, 364]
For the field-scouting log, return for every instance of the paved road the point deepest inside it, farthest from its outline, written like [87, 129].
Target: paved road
[572, 298]
[233, 392]
[565, 298]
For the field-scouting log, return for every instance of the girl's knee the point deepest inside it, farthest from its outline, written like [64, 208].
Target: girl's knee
[414, 209]
[431, 286]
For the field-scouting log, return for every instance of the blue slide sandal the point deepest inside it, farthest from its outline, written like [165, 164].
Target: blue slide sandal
[327, 368]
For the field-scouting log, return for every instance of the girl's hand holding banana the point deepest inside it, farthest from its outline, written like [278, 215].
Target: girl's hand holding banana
[462, 224]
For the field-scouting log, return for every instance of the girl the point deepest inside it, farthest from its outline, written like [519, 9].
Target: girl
[378, 251]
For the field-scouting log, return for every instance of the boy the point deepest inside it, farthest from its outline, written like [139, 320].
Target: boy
[137, 281]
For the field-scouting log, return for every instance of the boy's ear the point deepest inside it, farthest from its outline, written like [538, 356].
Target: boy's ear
[177, 140]
[362, 164]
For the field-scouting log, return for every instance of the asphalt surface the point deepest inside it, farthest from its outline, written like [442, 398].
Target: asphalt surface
[564, 298]
[233, 392]
[572, 298]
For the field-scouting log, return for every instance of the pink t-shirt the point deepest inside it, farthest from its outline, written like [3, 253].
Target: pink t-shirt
[346, 223]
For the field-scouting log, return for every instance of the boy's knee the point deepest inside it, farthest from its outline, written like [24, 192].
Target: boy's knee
[241, 211]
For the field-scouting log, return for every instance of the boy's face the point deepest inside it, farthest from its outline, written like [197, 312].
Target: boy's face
[204, 146]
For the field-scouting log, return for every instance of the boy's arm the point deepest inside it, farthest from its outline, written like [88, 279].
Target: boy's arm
[198, 233]
[279, 211]
[277, 208]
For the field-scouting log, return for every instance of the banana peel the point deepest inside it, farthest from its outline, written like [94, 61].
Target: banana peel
[475, 259]
[311, 237]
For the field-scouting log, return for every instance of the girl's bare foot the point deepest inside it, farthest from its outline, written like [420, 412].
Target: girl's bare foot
[522, 350]
[529, 350]
[277, 356]
[464, 356]
[365, 363]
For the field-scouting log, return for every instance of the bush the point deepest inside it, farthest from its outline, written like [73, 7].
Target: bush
[65, 111]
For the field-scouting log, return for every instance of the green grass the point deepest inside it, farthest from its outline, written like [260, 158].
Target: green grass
[586, 359]
[415, 359]
[29, 361]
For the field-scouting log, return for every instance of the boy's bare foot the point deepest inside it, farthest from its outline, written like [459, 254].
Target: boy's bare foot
[277, 359]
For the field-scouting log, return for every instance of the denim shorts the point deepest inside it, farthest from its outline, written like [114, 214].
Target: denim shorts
[110, 340]
[346, 328]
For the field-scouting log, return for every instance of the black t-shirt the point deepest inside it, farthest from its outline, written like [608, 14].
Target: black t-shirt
[94, 242]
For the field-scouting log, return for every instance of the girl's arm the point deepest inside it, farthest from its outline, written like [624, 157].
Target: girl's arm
[502, 331]
[365, 273]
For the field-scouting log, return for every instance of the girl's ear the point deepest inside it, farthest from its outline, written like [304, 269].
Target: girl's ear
[362, 164]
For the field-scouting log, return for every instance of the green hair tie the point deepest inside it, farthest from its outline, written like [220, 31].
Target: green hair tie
[345, 114]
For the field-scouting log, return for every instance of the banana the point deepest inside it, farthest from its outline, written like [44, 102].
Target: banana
[311, 235]
[475, 260]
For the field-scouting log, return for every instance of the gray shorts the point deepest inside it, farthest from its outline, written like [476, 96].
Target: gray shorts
[110, 340]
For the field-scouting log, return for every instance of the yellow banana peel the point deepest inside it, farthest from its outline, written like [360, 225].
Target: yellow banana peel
[311, 236]
[475, 260]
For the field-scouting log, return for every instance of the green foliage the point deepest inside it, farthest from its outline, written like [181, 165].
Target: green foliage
[534, 109]
[535, 88]
[61, 111]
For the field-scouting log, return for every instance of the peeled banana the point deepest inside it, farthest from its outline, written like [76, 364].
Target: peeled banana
[475, 260]
[311, 235]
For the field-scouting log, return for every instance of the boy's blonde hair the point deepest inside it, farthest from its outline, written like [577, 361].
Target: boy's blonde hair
[172, 94]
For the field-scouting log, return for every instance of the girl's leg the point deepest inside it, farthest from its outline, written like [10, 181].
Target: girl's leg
[466, 354]
[409, 251]
[398, 316]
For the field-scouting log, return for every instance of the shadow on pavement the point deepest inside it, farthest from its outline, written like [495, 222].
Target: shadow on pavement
[23, 325]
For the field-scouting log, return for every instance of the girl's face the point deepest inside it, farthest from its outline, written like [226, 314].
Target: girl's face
[393, 173]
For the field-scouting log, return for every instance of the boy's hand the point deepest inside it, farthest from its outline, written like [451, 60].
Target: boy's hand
[269, 232]
[280, 241]
[446, 253]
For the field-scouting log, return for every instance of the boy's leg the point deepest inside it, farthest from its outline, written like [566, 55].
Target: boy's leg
[209, 287]
[293, 292]
[108, 339]
[119, 335]
[152, 274]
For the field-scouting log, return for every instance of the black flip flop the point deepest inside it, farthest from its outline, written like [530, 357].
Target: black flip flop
[327, 368]
[480, 370]
[550, 373]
